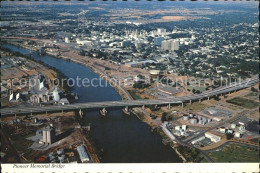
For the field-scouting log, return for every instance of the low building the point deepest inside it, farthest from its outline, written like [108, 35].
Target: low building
[83, 154]
[212, 137]
[198, 140]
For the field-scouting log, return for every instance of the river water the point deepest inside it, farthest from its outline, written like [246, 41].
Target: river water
[124, 138]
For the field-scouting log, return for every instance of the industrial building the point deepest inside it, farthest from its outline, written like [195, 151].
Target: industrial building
[83, 153]
[212, 137]
[198, 140]
[48, 135]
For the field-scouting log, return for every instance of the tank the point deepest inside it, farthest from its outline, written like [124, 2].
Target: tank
[50, 154]
[185, 117]
[237, 134]
[193, 121]
[204, 119]
[56, 96]
[222, 129]
[177, 127]
[191, 115]
[233, 126]
[61, 158]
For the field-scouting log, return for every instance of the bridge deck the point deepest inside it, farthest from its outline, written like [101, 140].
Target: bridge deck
[132, 103]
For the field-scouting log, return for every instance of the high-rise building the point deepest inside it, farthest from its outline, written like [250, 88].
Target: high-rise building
[158, 41]
[170, 45]
[67, 40]
[161, 31]
[48, 135]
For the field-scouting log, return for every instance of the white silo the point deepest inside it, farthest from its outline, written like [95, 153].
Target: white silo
[177, 128]
[193, 121]
[237, 134]
[56, 96]
[233, 126]
[185, 117]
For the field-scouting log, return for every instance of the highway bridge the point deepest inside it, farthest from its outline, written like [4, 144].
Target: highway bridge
[132, 103]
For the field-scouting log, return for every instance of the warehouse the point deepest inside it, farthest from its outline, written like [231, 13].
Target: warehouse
[212, 137]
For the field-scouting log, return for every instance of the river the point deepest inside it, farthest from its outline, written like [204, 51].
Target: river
[124, 138]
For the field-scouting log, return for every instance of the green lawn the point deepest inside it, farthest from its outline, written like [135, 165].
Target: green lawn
[246, 103]
[235, 153]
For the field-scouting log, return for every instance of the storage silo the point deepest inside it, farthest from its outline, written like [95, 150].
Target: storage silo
[233, 126]
[193, 121]
[184, 127]
[209, 120]
[237, 134]
[222, 129]
[185, 117]
[177, 128]
[56, 96]
[44, 136]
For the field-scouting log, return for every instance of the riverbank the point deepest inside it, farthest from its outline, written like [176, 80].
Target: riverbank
[121, 124]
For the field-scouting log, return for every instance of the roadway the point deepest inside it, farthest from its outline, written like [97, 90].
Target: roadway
[131, 103]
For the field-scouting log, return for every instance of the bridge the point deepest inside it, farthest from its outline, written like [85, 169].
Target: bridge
[233, 87]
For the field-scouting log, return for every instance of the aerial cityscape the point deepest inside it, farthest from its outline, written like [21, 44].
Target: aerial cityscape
[129, 82]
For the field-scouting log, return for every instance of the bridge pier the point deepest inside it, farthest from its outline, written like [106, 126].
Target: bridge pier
[103, 112]
[126, 110]
[169, 106]
[31, 112]
[80, 113]
[46, 113]
[199, 100]
[182, 104]
[208, 98]
[143, 107]
[62, 111]
[155, 106]
[190, 102]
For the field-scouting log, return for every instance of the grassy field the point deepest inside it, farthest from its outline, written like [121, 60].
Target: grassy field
[246, 103]
[235, 153]
[133, 93]
[195, 106]
[253, 95]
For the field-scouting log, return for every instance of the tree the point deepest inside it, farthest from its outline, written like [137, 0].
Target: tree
[253, 89]
[229, 136]
[163, 116]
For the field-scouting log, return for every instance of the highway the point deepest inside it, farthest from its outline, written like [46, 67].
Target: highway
[131, 103]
